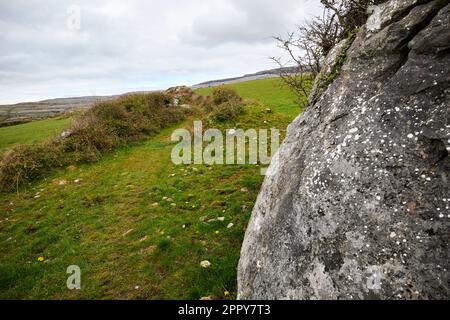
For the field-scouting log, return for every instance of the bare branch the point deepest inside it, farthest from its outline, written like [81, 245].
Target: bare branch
[310, 44]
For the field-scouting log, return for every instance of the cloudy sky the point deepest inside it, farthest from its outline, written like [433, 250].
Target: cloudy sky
[59, 48]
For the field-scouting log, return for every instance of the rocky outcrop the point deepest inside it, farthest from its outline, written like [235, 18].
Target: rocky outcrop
[330, 66]
[29, 111]
[356, 205]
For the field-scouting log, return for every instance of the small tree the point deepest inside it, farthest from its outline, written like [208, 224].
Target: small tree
[308, 46]
[351, 14]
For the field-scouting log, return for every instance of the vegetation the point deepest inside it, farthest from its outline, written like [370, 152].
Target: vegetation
[228, 104]
[272, 93]
[31, 132]
[224, 94]
[137, 225]
[348, 14]
[102, 128]
[308, 46]
[229, 110]
[340, 60]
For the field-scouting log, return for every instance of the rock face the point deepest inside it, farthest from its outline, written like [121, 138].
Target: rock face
[357, 203]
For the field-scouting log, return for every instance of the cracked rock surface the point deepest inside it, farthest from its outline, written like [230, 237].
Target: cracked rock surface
[356, 203]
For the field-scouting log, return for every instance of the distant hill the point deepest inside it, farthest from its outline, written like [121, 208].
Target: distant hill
[272, 73]
[27, 111]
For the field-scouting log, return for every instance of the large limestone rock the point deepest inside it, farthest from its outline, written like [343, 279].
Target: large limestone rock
[357, 206]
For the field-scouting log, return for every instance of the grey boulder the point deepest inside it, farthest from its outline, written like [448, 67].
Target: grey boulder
[356, 202]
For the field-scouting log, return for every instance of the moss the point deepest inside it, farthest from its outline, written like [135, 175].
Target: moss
[341, 59]
[324, 80]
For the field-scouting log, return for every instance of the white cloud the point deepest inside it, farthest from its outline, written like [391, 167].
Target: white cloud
[251, 21]
[136, 45]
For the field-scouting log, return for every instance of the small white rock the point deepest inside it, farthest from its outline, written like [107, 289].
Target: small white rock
[205, 264]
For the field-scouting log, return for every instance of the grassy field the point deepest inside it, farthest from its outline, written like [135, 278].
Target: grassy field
[32, 132]
[271, 92]
[137, 225]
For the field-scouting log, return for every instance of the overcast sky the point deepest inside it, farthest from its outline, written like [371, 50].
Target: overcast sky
[118, 46]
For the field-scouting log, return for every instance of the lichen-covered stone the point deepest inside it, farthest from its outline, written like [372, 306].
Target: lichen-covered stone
[332, 59]
[356, 205]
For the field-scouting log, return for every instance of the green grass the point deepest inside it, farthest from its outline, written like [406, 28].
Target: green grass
[271, 92]
[31, 132]
[104, 219]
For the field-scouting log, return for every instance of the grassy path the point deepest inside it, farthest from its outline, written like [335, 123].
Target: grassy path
[113, 220]
[137, 225]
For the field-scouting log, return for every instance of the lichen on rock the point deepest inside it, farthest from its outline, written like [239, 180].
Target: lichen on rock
[330, 69]
[357, 202]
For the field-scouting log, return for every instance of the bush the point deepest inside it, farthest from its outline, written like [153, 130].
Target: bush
[102, 128]
[25, 163]
[227, 111]
[221, 95]
[88, 139]
[207, 104]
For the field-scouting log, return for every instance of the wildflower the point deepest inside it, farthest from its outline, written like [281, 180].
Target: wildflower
[226, 293]
[40, 259]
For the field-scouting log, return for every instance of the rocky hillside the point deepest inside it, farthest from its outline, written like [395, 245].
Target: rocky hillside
[27, 111]
[272, 73]
[356, 205]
